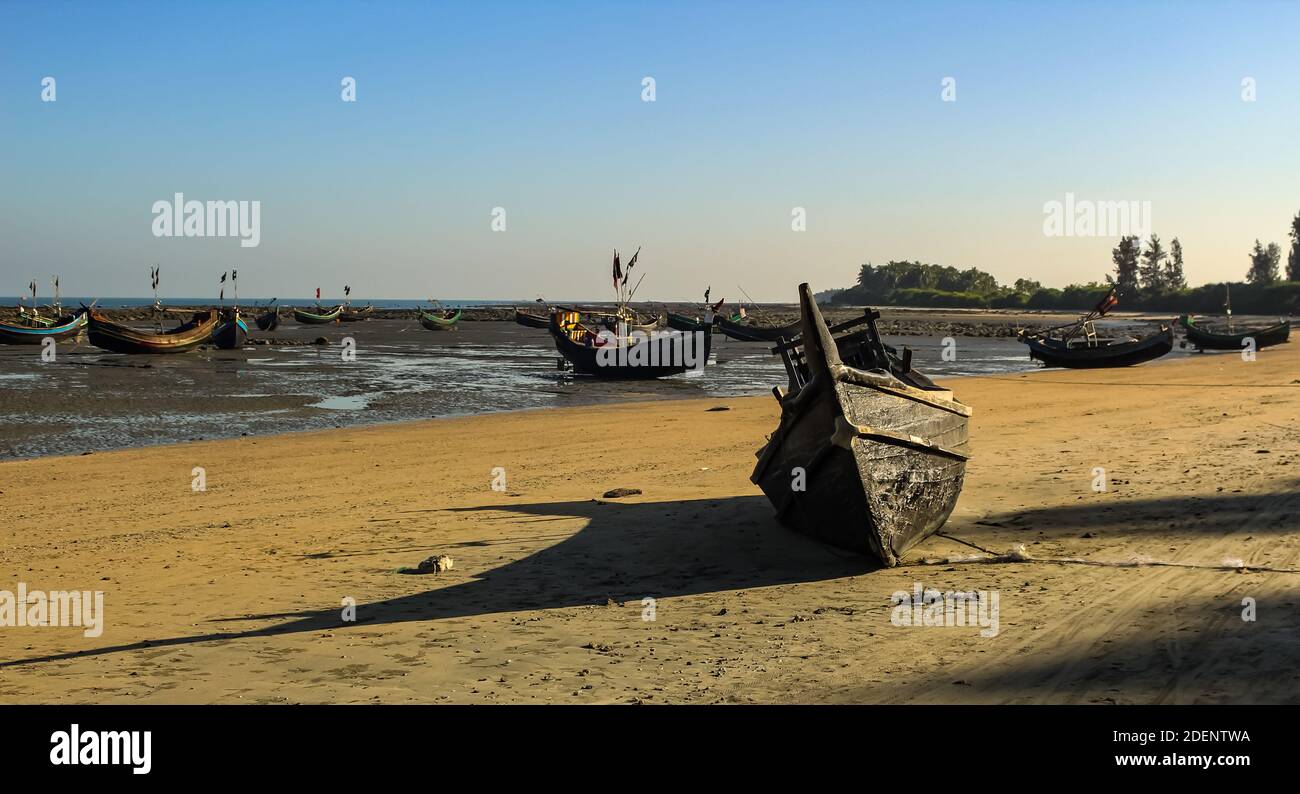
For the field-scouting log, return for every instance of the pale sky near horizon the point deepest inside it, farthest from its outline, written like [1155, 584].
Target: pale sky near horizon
[537, 108]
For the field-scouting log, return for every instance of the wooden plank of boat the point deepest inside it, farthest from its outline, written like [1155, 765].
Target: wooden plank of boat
[231, 331]
[1206, 338]
[1080, 354]
[440, 321]
[32, 331]
[744, 332]
[318, 317]
[125, 339]
[861, 459]
[603, 353]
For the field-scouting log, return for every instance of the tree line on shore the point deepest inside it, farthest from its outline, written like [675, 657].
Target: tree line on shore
[1148, 277]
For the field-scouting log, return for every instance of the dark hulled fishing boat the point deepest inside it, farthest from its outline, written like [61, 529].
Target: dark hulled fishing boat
[320, 316]
[125, 339]
[592, 349]
[1088, 351]
[440, 319]
[861, 459]
[531, 320]
[350, 315]
[231, 331]
[1077, 345]
[33, 329]
[1210, 337]
[743, 331]
[682, 322]
[268, 320]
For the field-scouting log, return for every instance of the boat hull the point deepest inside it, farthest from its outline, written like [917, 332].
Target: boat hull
[347, 316]
[862, 460]
[310, 318]
[124, 339]
[230, 334]
[433, 322]
[268, 321]
[532, 320]
[66, 327]
[680, 322]
[1209, 340]
[753, 333]
[1055, 354]
[664, 354]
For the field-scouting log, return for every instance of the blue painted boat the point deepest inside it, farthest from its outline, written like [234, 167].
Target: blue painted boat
[32, 330]
[231, 332]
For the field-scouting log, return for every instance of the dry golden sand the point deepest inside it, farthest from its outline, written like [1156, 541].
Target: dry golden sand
[233, 595]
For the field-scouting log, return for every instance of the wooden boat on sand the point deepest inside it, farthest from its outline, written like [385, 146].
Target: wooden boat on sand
[861, 459]
[268, 320]
[351, 315]
[590, 348]
[1208, 337]
[743, 331]
[320, 316]
[440, 319]
[125, 339]
[231, 332]
[532, 320]
[1088, 351]
[32, 329]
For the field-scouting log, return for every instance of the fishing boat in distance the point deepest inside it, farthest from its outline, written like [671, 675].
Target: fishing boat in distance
[531, 320]
[120, 338]
[269, 320]
[590, 348]
[320, 316]
[231, 332]
[861, 459]
[1230, 337]
[744, 330]
[1077, 345]
[32, 327]
[350, 315]
[439, 319]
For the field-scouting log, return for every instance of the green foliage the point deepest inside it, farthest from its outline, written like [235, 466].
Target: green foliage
[917, 284]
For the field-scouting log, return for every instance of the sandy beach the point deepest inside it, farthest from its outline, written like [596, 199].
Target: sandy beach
[235, 594]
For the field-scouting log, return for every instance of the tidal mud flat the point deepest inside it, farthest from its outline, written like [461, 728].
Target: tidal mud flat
[90, 400]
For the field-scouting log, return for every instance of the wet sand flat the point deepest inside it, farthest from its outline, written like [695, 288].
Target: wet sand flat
[235, 594]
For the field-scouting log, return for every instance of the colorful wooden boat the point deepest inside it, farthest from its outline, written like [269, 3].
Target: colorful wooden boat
[861, 459]
[320, 316]
[440, 320]
[32, 330]
[591, 349]
[124, 339]
[231, 332]
[1208, 337]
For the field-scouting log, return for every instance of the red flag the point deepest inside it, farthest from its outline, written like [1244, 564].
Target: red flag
[618, 270]
[318, 293]
[717, 307]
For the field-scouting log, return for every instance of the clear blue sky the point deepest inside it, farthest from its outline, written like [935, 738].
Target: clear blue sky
[536, 107]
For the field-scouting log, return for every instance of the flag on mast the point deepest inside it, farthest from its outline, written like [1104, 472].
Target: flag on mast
[618, 270]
